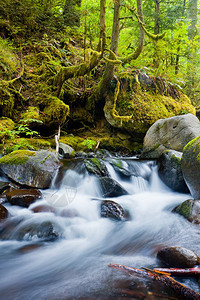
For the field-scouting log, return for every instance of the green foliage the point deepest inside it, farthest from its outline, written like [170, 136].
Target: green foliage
[8, 60]
[90, 144]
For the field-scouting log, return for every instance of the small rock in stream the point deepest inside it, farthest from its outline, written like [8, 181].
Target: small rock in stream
[111, 188]
[23, 197]
[113, 210]
[178, 257]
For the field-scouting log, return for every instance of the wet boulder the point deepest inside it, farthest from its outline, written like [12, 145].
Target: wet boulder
[96, 166]
[189, 209]
[178, 257]
[111, 188]
[170, 172]
[171, 133]
[66, 151]
[119, 167]
[3, 213]
[112, 210]
[24, 197]
[30, 168]
[190, 163]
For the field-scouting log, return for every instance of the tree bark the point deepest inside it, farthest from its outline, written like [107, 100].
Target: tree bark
[102, 36]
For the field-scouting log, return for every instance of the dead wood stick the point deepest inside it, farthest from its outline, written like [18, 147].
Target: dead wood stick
[180, 272]
[168, 281]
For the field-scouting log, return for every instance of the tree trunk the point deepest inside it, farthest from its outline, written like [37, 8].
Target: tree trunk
[102, 36]
[156, 31]
[191, 68]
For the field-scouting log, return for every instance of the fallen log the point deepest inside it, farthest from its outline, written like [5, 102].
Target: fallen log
[162, 278]
[179, 272]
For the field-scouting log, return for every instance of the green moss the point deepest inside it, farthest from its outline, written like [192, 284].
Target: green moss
[55, 111]
[32, 113]
[6, 127]
[191, 144]
[96, 162]
[184, 209]
[25, 144]
[118, 163]
[18, 157]
[8, 60]
[6, 101]
[146, 107]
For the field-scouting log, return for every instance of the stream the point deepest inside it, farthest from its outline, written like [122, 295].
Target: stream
[74, 265]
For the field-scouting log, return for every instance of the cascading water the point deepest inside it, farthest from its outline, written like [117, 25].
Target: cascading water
[71, 262]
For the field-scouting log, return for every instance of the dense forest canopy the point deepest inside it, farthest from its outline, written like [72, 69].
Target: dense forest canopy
[56, 56]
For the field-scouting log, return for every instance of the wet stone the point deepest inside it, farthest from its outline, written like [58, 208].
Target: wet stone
[111, 188]
[178, 257]
[43, 208]
[4, 186]
[23, 197]
[113, 210]
[3, 213]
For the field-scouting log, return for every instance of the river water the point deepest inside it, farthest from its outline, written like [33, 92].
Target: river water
[75, 265]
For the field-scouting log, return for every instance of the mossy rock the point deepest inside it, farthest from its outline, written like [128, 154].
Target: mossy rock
[55, 112]
[6, 127]
[26, 144]
[30, 168]
[31, 116]
[96, 166]
[9, 62]
[144, 109]
[6, 102]
[189, 209]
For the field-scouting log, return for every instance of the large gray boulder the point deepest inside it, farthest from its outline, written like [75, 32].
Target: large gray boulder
[190, 163]
[170, 172]
[171, 133]
[30, 168]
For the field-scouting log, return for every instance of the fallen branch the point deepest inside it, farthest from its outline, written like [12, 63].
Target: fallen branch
[162, 278]
[179, 272]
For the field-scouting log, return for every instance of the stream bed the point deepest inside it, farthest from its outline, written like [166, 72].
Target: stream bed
[73, 262]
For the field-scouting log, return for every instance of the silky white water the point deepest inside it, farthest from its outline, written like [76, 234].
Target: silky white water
[75, 265]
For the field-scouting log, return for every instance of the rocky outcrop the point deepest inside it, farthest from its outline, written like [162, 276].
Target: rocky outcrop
[30, 168]
[141, 100]
[190, 163]
[170, 172]
[178, 257]
[171, 133]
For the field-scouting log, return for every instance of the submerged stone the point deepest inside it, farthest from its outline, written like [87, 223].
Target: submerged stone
[178, 257]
